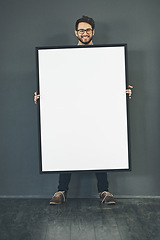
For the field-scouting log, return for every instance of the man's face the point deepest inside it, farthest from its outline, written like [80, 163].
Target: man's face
[84, 33]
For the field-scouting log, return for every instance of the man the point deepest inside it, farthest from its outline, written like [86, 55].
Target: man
[84, 31]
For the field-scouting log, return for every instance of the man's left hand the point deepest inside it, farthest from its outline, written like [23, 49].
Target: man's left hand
[129, 91]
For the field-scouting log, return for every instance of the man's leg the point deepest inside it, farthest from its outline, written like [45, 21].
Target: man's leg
[102, 182]
[102, 185]
[64, 180]
[60, 196]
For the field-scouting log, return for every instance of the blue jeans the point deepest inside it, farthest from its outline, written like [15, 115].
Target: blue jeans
[102, 181]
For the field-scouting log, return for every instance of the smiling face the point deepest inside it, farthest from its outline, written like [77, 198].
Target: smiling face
[84, 33]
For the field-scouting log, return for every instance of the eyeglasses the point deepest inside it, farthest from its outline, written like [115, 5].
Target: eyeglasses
[82, 31]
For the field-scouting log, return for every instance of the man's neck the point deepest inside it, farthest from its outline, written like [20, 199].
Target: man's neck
[82, 44]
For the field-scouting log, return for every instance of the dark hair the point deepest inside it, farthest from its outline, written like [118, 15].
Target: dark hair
[87, 20]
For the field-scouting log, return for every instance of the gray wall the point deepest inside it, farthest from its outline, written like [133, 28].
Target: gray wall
[25, 24]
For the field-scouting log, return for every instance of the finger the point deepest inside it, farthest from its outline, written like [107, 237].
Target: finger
[35, 100]
[130, 86]
[35, 97]
[128, 91]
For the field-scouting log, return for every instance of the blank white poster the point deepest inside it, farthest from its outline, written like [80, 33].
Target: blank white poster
[83, 109]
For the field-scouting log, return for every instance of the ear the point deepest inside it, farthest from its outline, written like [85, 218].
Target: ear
[93, 32]
[76, 33]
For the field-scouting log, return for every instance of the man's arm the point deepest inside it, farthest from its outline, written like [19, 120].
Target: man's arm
[128, 91]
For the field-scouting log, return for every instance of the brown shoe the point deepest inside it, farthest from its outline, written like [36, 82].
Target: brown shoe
[107, 197]
[58, 198]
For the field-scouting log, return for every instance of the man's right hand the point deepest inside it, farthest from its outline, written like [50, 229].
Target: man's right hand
[36, 97]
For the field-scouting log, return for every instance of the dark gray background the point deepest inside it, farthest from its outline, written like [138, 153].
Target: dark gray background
[27, 24]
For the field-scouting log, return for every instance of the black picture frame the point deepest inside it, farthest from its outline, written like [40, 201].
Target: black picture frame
[80, 60]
